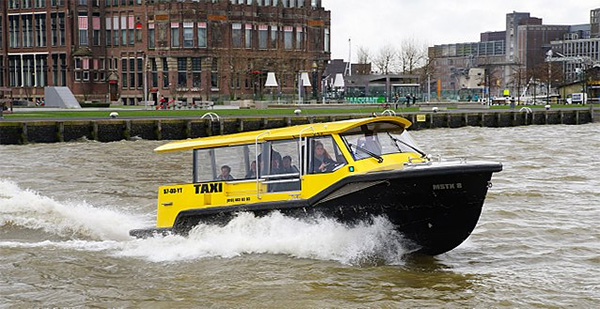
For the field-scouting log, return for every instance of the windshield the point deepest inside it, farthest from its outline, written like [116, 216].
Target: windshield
[367, 143]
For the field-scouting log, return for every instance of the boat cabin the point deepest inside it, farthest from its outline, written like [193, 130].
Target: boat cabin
[284, 164]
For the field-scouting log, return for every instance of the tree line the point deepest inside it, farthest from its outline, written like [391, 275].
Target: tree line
[410, 57]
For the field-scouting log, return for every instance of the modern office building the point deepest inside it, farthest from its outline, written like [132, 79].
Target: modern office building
[510, 58]
[595, 23]
[452, 63]
[578, 54]
[189, 50]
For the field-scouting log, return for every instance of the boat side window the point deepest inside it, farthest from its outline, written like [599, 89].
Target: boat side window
[283, 173]
[366, 142]
[324, 155]
[223, 163]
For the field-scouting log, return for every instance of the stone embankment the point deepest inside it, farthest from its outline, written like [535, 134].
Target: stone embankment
[108, 130]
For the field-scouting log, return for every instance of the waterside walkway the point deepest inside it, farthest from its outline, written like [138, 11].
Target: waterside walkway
[23, 131]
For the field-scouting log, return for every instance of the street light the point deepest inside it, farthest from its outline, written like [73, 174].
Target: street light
[271, 82]
[145, 77]
[145, 73]
[338, 84]
[314, 80]
[303, 81]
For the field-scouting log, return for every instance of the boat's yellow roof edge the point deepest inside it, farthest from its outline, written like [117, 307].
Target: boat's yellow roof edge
[312, 129]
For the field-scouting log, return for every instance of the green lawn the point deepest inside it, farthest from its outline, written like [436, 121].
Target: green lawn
[125, 112]
[198, 113]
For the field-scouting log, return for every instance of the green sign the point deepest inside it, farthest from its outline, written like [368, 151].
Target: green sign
[365, 99]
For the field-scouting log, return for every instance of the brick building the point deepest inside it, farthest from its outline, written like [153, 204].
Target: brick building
[189, 50]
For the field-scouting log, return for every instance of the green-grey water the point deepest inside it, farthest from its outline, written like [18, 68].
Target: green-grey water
[65, 212]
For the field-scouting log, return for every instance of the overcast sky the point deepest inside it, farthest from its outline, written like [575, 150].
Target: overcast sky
[374, 23]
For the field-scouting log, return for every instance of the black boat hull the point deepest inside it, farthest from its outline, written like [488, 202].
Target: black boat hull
[435, 207]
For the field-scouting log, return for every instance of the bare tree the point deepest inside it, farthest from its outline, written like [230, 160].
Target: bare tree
[427, 73]
[364, 55]
[412, 55]
[385, 59]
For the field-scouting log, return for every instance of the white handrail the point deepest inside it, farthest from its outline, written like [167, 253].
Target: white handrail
[526, 109]
[388, 112]
[211, 115]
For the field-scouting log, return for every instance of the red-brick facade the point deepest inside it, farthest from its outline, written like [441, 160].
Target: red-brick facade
[189, 50]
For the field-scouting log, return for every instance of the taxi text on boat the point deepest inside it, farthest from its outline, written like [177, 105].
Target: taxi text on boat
[350, 170]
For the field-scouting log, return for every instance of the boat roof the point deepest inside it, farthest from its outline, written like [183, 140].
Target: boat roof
[312, 129]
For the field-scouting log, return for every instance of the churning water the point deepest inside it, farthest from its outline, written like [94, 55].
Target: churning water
[66, 209]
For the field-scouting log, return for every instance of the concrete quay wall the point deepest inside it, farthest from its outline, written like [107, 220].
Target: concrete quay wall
[109, 130]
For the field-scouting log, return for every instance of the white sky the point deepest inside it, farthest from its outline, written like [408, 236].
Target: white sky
[375, 23]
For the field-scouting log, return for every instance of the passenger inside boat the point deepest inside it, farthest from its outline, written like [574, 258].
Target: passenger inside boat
[252, 172]
[276, 163]
[289, 169]
[322, 161]
[368, 143]
[225, 173]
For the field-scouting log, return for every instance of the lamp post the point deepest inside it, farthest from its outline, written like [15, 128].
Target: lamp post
[549, 54]
[314, 80]
[145, 73]
[428, 88]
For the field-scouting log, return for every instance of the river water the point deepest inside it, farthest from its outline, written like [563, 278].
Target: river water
[66, 209]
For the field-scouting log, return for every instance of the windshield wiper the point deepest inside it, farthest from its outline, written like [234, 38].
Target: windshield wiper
[423, 155]
[378, 157]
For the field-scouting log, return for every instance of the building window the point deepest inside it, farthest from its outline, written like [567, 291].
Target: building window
[299, 38]
[40, 22]
[236, 35]
[182, 72]
[153, 72]
[188, 34]
[27, 30]
[151, 36]
[248, 36]
[174, 34]
[287, 37]
[197, 72]
[131, 73]
[165, 73]
[201, 34]
[131, 29]
[263, 36]
[83, 30]
[82, 69]
[274, 37]
[214, 75]
[41, 69]
[124, 71]
[108, 24]
[96, 30]
[28, 71]
[115, 30]
[14, 71]
[59, 70]
[124, 30]
[139, 72]
[13, 31]
[326, 41]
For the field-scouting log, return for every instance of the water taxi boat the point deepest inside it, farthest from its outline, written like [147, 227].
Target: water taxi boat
[351, 170]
